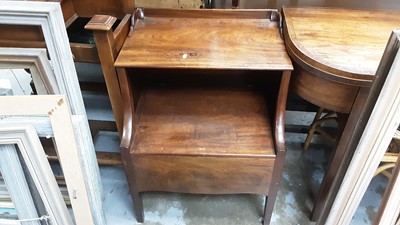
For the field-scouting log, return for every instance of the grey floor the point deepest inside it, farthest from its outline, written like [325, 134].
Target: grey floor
[303, 172]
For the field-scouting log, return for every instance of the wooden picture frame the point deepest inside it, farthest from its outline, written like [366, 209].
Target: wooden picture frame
[36, 61]
[49, 17]
[27, 140]
[55, 108]
[382, 121]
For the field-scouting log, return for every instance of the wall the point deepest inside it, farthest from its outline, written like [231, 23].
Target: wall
[277, 4]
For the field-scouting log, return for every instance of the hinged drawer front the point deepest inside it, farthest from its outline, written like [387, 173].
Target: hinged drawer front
[203, 175]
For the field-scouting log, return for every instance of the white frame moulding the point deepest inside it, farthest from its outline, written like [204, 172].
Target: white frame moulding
[55, 108]
[374, 141]
[34, 59]
[389, 210]
[16, 183]
[27, 140]
[48, 16]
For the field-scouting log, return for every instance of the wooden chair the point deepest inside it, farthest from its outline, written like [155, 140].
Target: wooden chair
[316, 126]
[390, 158]
[76, 14]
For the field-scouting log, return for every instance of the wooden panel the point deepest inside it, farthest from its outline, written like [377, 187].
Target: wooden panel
[203, 122]
[89, 8]
[105, 42]
[277, 4]
[329, 95]
[329, 40]
[68, 11]
[121, 32]
[211, 13]
[205, 43]
[21, 33]
[177, 4]
[22, 44]
[84, 52]
[207, 175]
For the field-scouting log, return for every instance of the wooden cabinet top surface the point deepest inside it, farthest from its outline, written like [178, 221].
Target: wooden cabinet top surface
[340, 42]
[197, 40]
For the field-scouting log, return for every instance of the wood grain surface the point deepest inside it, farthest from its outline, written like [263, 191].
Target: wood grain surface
[203, 174]
[345, 45]
[177, 4]
[205, 43]
[194, 134]
[89, 8]
[182, 121]
[334, 96]
[336, 53]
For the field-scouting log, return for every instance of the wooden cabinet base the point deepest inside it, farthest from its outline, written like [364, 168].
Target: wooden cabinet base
[203, 174]
[220, 145]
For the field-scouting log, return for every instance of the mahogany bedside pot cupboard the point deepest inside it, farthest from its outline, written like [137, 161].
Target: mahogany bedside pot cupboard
[204, 96]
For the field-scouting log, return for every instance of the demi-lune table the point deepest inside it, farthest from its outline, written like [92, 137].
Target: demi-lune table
[336, 53]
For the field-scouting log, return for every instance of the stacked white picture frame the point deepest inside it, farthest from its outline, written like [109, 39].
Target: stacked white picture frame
[34, 59]
[81, 171]
[25, 137]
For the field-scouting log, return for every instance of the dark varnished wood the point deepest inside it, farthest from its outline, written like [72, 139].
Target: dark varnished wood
[68, 11]
[203, 174]
[279, 129]
[327, 40]
[12, 32]
[121, 32]
[129, 110]
[89, 8]
[181, 4]
[191, 132]
[203, 136]
[108, 45]
[128, 113]
[101, 22]
[336, 62]
[196, 43]
[211, 13]
[84, 52]
[280, 147]
[329, 95]
[177, 128]
[207, 122]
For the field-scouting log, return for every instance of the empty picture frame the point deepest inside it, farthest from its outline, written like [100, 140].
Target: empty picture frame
[383, 110]
[25, 137]
[49, 17]
[36, 61]
[56, 109]
[16, 183]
